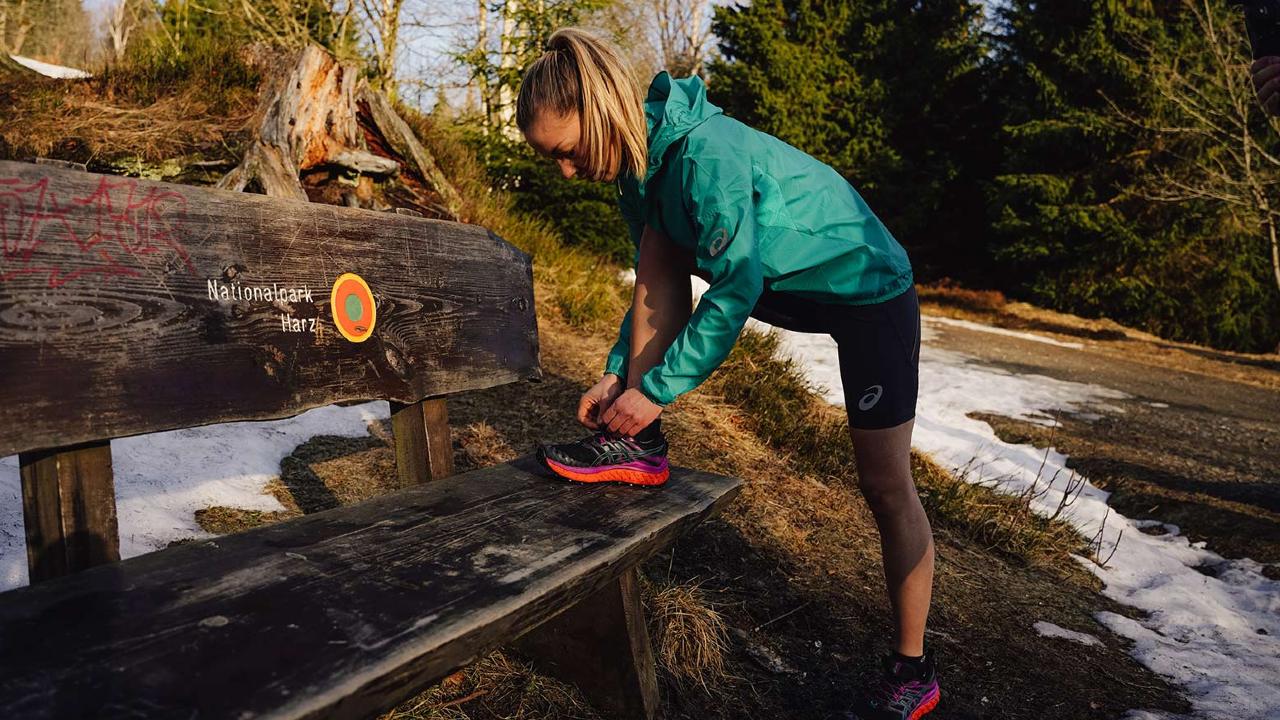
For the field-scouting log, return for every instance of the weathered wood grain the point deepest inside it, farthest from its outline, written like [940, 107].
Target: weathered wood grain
[340, 614]
[107, 327]
[424, 448]
[396, 136]
[69, 510]
[601, 646]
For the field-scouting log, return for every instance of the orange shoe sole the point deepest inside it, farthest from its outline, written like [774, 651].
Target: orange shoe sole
[926, 708]
[622, 475]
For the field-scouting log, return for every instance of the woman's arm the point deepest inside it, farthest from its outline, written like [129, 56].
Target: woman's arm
[660, 311]
[662, 302]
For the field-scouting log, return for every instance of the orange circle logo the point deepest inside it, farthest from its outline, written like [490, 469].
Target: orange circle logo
[354, 311]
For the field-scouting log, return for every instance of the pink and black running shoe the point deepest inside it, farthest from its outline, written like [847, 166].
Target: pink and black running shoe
[903, 690]
[640, 460]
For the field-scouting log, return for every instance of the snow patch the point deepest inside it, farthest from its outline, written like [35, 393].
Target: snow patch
[953, 322]
[163, 478]
[1048, 629]
[49, 69]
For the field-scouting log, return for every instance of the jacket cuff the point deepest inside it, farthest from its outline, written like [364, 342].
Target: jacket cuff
[616, 365]
[649, 389]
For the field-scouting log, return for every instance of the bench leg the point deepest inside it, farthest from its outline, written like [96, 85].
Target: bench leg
[69, 509]
[601, 646]
[424, 450]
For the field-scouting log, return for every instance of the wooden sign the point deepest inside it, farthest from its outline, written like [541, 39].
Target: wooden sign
[129, 306]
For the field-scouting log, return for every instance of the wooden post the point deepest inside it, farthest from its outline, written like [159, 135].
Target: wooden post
[601, 645]
[424, 450]
[69, 508]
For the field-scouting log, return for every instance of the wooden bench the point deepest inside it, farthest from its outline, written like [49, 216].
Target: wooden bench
[131, 307]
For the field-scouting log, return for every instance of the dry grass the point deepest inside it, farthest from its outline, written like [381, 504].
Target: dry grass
[997, 521]
[499, 686]
[147, 109]
[481, 445]
[949, 292]
[690, 638]
[74, 121]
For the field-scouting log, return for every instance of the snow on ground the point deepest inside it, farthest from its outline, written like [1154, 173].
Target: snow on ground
[1002, 331]
[1218, 637]
[49, 69]
[1048, 629]
[163, 478]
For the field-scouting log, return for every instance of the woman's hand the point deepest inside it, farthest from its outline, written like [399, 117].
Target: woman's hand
[1266, 80]
[630, 413]
[597, 400]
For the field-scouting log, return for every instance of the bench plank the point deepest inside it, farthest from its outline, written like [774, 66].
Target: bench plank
[129, 306]
[339, 614]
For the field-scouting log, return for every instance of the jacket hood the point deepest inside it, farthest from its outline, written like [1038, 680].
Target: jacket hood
[672, 109]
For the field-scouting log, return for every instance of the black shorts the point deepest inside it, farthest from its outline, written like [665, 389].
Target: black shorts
[879, 350]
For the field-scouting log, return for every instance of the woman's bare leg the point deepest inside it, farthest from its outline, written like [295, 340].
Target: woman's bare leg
[906, 540]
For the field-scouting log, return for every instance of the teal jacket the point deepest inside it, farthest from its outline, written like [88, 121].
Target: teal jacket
[757, 213]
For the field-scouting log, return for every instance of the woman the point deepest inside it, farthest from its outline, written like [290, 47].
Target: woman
[777, 234]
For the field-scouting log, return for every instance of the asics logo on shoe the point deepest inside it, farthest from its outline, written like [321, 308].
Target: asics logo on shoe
[870, 397]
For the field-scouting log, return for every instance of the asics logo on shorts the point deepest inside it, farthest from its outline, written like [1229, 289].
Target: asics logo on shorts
[870, 397]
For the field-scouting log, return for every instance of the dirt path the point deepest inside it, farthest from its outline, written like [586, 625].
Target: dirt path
[1196, 444]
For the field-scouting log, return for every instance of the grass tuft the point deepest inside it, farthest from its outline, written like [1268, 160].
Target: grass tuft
[690, 638]
[498, 681]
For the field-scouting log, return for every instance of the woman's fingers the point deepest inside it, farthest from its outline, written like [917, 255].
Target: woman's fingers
[631, 428]
[587, 412]
[610, 417]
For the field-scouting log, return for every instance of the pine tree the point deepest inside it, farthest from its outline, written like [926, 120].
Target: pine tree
[1087, 212]
[888, 92]
[1058, 203]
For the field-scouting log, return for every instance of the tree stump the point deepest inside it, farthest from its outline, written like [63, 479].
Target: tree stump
[324, 135]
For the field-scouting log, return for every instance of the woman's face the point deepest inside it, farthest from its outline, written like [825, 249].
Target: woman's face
[558, 137]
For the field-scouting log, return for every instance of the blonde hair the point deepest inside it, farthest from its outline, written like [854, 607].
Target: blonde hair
[582, 73]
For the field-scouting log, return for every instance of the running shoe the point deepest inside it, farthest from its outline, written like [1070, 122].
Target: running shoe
[901, 691]
[640, 460]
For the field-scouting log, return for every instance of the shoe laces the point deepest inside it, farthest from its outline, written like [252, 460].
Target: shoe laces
[887, 690]
[611, 443]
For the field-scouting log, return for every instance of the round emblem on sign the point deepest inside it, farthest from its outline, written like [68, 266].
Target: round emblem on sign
[354, 311]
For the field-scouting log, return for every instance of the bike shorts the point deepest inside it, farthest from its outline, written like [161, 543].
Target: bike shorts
[879, 348]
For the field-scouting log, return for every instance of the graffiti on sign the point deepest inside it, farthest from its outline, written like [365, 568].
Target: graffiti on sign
[119, 229]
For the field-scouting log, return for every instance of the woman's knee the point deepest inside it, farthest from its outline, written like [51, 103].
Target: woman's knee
[889, 496]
